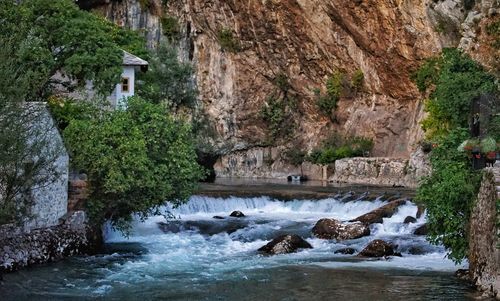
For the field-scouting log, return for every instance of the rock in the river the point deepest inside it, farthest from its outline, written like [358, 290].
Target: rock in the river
[410, 220]
[416, 250]
[377, 215]
[422, 230]
[328, 228]
[218, 217]
[237, 214]
[283, 244]
[420, 210]
[378, 248]
[346, 251]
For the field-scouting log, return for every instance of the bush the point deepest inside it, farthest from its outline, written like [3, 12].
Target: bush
[327, 103]
[449, 194]
[170, 27]
[227, 40]
[337, 147]
[294, 156]
[64, 110]
[136, 160]
[281, 81]
[357, 80]
[277, 115]
[453, 80]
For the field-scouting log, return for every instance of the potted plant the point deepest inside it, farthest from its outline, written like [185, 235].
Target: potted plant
[488, 147]
[470, 146]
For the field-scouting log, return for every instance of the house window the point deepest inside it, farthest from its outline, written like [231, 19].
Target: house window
[125, 84]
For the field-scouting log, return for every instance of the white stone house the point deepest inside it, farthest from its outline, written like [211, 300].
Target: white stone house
[126, 88]
[131, 65]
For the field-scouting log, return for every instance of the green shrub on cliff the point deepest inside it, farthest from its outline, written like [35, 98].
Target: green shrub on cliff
[452, 80]
[448, 194]
[136, 160]
[338, 147]
[227, 40]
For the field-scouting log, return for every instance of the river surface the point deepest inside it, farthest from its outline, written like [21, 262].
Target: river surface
[197, 257]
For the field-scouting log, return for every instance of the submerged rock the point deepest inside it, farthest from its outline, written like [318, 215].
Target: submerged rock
[422, 230]
[218, 217]
[237, 214]
[283, 244]
[346, 251]
[328, 228]
[410, 220]
[417, 250]
[378, 248]
[377, 215]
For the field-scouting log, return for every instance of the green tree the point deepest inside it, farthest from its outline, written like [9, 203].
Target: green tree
[136, 160]
[56, 36]
[168, 80]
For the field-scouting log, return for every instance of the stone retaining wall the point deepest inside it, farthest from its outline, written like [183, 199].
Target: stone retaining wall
[484, 254]
[266, 162]
[20, 249]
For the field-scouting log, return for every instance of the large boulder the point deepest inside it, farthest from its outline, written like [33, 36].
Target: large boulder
[377, 215]
[328, 228]
[421, 230]
[237, 214]
[287, 243]
[378, 248]
[410, 220]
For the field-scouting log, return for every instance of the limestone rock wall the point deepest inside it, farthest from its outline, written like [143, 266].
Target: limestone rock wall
[484, 252]
[307, 40]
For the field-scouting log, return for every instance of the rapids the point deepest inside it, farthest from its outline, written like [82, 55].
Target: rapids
[193, 256]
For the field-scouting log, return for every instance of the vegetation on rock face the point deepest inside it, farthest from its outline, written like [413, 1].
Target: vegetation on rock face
[136, 160]
[277, 114]
[338, 147]
[452, 81]
[227, 40]
[167, 80]
[170, 26]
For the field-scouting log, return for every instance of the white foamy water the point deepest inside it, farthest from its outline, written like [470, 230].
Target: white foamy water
[195, 240]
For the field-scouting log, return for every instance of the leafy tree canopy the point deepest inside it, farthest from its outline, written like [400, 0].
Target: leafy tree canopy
[51, 36]
[136, 160]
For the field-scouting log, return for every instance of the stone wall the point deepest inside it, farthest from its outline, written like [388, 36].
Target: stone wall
[49, 199]
[382, 171]
[484, 254]
[20, 249]
[265, 162]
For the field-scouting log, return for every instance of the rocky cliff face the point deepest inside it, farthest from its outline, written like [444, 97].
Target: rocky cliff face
[305, 41]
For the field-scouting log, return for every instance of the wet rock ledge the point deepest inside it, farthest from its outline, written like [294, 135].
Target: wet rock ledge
[71, 237]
